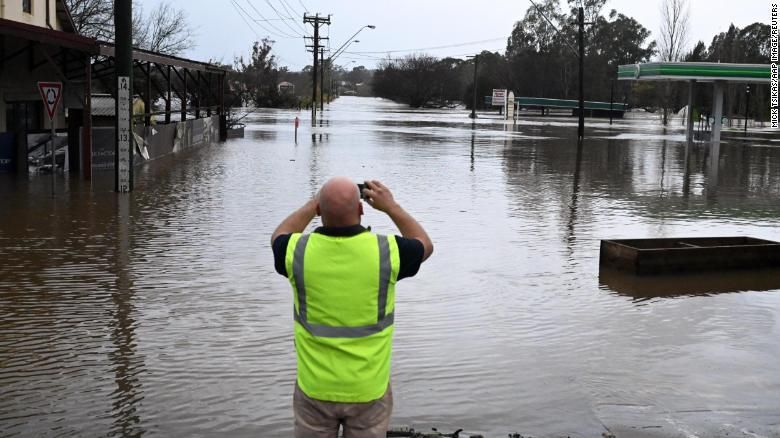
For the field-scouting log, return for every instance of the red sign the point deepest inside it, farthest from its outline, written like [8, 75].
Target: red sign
[297, 121]
[51, 92]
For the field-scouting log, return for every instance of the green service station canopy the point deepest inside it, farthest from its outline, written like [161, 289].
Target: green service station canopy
[692, 72]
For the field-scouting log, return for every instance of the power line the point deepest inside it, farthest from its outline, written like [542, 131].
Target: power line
[273, 19]
[252, 28]
[247, 15]
[554, 27]
[293, 13]
[296, 31]
[244, 19]
[470, 43]
[275, 55]
[305, 9]
[269, 23]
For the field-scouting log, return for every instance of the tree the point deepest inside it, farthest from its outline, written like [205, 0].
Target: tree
[93, 18]
[698, 54]
[673, 41]
[164, 30]
[674, 30]
[546, 65]
[257, 79]
[751, 46]
[533, 34]
[358, 75]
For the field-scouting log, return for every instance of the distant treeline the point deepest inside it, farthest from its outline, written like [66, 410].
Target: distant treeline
[541, 62]
[255, 81]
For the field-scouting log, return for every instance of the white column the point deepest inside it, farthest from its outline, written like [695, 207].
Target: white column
[690, 121]
[717, 110]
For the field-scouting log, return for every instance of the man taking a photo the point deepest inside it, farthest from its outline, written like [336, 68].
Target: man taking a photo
[343, 279]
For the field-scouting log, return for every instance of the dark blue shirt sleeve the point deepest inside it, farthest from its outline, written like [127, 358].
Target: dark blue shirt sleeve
[280, 253]
[411, 252]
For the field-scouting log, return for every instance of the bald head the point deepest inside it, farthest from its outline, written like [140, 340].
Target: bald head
[339, 203]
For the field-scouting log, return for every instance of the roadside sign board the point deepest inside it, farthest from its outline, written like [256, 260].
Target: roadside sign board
[51, 92]
[124, 137]
[499, 97]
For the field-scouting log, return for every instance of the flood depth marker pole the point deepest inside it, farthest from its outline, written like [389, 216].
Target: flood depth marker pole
[123, 151]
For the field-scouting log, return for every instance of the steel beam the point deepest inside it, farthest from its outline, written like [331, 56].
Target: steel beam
[168, 100]
[86, 136]
[184, 100]
[148, 100]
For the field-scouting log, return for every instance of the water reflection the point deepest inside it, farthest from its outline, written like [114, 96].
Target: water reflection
[642, 288]
[473, 136]
[127, 365]
[575, 192]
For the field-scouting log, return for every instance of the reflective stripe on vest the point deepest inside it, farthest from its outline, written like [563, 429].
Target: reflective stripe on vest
[384, 319]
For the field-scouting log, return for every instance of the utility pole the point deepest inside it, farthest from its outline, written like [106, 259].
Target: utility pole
[580, 38]
[322, 79]
[315, 21]
[474, 101]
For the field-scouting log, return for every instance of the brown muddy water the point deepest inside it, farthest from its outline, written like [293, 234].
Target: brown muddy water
[160, 314]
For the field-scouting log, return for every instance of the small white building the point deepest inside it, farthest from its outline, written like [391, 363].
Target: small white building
[285, 87]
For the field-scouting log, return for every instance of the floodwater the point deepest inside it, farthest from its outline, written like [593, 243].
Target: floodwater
[159, 313]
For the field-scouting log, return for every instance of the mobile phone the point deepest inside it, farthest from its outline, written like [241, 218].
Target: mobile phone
[360, 189]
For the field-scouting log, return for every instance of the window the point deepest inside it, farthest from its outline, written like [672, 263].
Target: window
[24, 116]
[27, 6]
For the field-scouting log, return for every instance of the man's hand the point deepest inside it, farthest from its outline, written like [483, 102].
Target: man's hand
[380, 197]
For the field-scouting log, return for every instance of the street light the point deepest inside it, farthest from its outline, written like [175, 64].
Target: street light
[340, 50]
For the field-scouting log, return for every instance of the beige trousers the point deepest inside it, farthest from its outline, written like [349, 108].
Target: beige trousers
[321, 419]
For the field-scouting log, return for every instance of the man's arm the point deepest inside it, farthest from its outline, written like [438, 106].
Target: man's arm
[297, 221]
[380, 197]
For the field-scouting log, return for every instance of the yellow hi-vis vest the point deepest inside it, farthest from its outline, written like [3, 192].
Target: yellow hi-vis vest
[344, 299]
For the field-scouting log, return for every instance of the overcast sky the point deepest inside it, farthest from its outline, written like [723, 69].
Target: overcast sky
[224, 30]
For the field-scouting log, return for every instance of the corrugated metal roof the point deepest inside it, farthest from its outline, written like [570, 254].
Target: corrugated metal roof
[103, 105]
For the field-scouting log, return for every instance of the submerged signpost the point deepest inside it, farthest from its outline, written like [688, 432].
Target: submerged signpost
[51, 93]
[123, 158]
[123, 150]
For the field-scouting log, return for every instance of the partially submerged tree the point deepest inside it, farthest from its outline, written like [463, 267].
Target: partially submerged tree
[420, 80]
[256, 80]
[673, 39]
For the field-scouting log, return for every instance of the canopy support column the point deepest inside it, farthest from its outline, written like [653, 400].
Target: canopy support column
[717, 111]
[690, 122]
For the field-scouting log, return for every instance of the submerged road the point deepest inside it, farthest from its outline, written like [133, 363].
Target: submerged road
[159, 313]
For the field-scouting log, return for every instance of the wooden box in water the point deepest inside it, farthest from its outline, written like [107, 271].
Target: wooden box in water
[680, 255]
